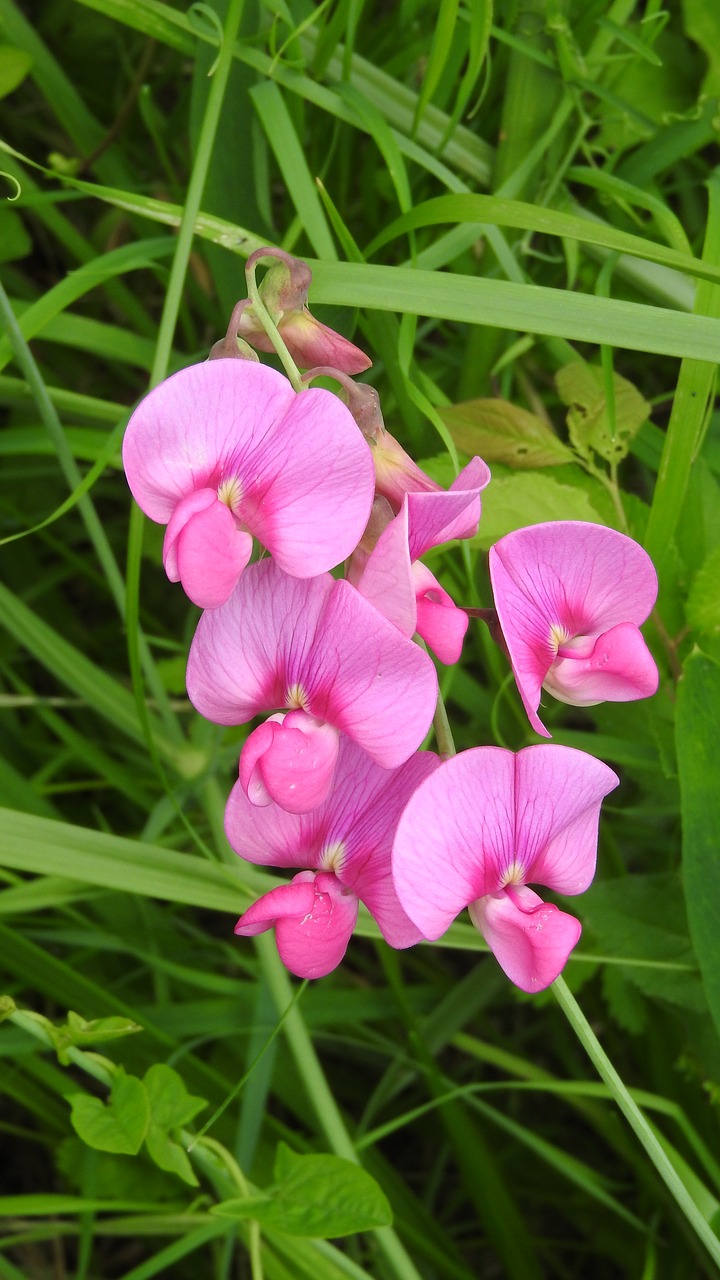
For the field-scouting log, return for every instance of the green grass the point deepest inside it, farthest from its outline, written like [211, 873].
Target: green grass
[484, 198]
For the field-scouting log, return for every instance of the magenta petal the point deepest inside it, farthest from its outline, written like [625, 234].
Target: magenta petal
[295, 900]
[292, 763]
[185, 431]
[369, 681]
[619, 668]
[553, 582]
[456, 837]
[211, 554]
[438, 517]
[531, 939]
[387, 579]
[439, 621]
[309, 485]
[314, 917]
[198, 500]
[559, 791]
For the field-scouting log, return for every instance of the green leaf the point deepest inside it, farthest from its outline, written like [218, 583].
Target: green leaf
[582, 387]
[77, 1031]
[14, 66]
[698, 714]
[502, 432]
[703, 605]
[118, 1125]
[171, 1106]
[514, 501]
[315, 1195]
[14, 240]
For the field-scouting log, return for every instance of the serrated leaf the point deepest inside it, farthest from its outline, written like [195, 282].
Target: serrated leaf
[516, 500]
[581, 386]
[698, 711]
[14, 66]
[315, 1195]
[503, 432]
[703, 604]
[118, 1125]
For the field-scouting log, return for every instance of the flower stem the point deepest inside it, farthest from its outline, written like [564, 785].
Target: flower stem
[318, 1090]
[263, 315]
[635, 1117]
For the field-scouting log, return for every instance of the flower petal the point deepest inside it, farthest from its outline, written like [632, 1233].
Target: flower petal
[558, 792]
[619, 668]
[530, 939]
[566, 577]
[290, 760]
[456, 837]
[211, 553]
[439, 621]
[438, 517]
[314, 919]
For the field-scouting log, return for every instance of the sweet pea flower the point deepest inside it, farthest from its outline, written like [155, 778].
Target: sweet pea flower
[402, 588]
[343, 848]
[313, 645]
[284, 293]
[482, 828]
[226, 450]
[570, 598]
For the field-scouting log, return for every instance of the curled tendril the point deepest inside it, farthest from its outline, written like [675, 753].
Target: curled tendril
[12, 179]
[204, 20]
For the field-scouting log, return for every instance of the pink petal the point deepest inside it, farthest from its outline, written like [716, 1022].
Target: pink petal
[440, 623]
[395, 471]
[558, 794]
[312, 929]
[247, 655]
[368, 680]
[211, 553]
[351, 832]
[291, 760]
[564, 578]
[386, 580]
[309, 342]
[487, 817]
[186, 429]
[439, 517]
[456, 837]
[298, 468]
[531, 939]
[619, 668]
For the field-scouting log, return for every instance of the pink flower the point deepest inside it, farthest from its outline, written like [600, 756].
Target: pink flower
[316, 645]
[226, 450]
[344, 849]
[486, 824]
[402, 588]
[570, 598]
[284, 292]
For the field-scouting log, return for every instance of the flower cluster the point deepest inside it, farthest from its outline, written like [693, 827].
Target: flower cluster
[333, 783]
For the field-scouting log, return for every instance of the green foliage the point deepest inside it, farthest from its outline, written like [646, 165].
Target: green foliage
[464, 248]
[315, 1195]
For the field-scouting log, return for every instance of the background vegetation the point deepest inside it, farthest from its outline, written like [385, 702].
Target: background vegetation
[518, 210]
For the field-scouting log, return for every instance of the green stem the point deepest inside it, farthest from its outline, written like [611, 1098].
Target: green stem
[263, 315]
[635, 1117]
[168, 322]
[319, 1093]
